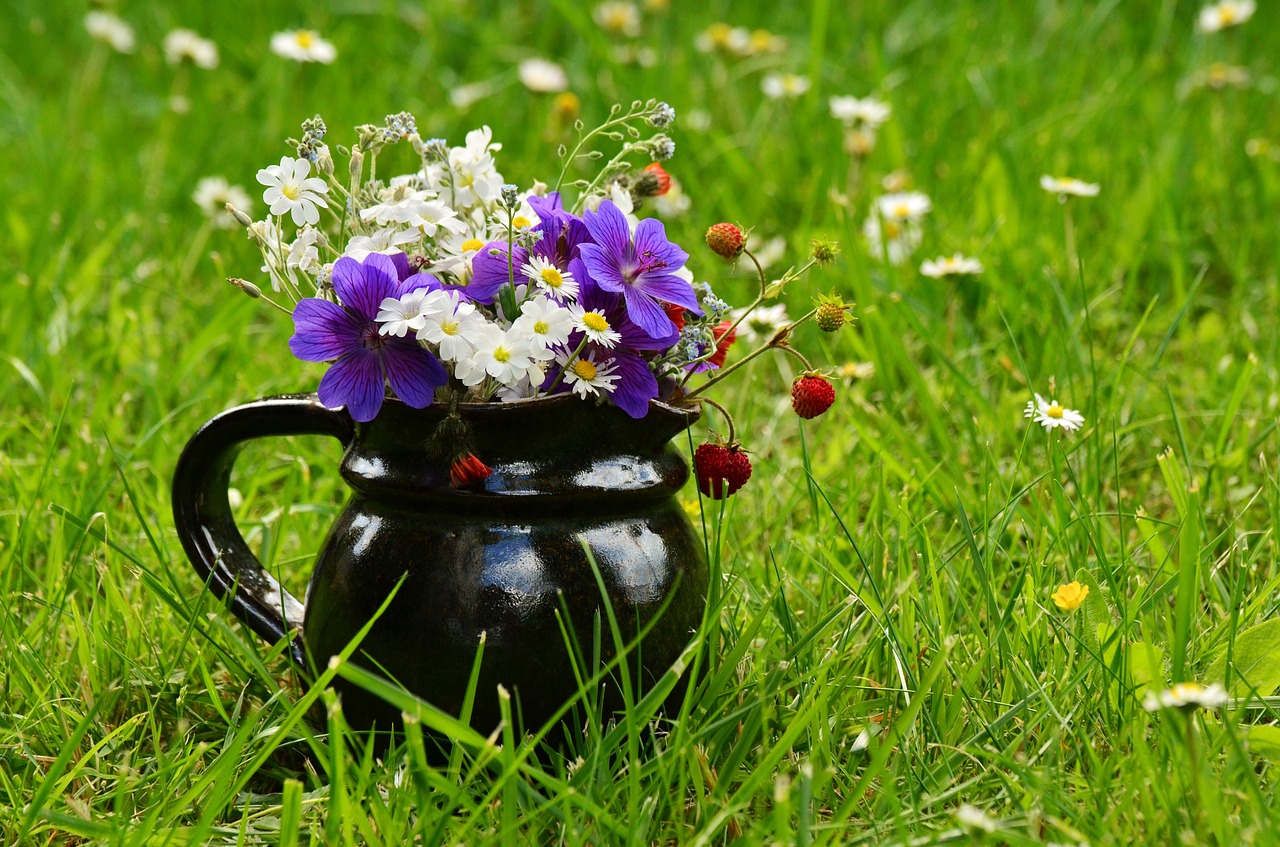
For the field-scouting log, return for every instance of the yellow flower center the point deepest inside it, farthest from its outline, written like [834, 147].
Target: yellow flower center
[584, 370]
[1226, 14]
[502, 354]
[290, 191]
[449, 327]
[902, 210]
[617, 18]
[1055, 411]
[761, 40]
[304, 38]
[541, 327]
[595, 321]
[552, 277]
[472, 244]
[520, 221]
[892, 230]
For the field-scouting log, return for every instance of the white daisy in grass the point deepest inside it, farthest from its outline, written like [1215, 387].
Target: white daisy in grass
[542, 76]
[550, 279]
[398, 316]
[594, 325]
[1187, 697]
[975, 819]
[784, 86]
[1065, 186]
[761, 324]
[1226, 14]
[588, 378]
[956, 264]
[1051, 414]
[289, 189]
[213, 194]
[896, 239]
[867, 111]
[182, 44]
[110, 30]
[303, 45]
[903, 206]
[545, 325]
[618, 18]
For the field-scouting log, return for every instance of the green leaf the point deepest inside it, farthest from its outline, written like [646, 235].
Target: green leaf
[1264, 740]
[1255, 661]
[1146, 666]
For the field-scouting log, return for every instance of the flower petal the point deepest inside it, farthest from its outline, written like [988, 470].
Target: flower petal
[413, 372]
[646, 313]
[670, 288]
[363, 286]
[651, 237]
[354, 381]
[322, 330]
[608, 227]
[636, 385]
[602, 266]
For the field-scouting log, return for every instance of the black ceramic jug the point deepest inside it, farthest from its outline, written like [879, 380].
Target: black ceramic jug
[503, 559]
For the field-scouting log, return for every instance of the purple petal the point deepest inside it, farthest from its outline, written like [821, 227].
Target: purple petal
[651, 237]
[669, 289]
[546, 207]
[401, 262]
[636, 338]
[363, 286]
[647, 314]
[602, 267]
[413, 282]
[323, 330]
[354, 381]
[608, 227]
[413, 372]
[636, 385]
[490, 272]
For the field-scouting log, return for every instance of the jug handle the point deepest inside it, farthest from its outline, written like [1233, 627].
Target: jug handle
[206, 526]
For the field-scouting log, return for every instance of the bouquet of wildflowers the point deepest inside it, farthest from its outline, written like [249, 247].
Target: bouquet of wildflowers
[450, 285]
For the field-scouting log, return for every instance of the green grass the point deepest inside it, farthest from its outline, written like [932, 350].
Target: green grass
[885, 648]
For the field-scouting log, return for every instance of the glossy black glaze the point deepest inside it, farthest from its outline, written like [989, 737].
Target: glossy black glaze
[499, 560]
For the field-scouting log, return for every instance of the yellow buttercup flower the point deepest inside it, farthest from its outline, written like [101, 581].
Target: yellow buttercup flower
[1069, 597]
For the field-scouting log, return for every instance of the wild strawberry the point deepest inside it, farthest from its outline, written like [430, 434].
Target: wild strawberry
[811, 395]
[830, 317]
[660, 173]
[721, 470]
[726, 239]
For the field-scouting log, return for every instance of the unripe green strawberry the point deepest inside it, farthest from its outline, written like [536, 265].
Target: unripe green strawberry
[830, 317]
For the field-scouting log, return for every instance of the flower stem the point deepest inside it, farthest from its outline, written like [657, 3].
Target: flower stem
[728, 418]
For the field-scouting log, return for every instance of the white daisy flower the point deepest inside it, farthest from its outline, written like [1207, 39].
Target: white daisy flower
[303, 253]
[1051, 414]
[471, 178]
[956, 264]
[212, 195]
[289, 189]
[778, 86]
[410, 312]
[303, 45]
[182, 44]
[386, 241]
[545, 324]
[463, 96]
[594, 325]
[762, 323]
[550, 279]
[973, 818]
[589, 378]
[505, 356]
[110, 30]
[542, 76]
[867, 111]
[895, 240]
[618, 18]
[1065, 185]
[455, 329]
[903, 206]
[1187, 696]
[1226, 14]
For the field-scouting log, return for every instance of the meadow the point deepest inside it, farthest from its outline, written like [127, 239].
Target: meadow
[896, 653]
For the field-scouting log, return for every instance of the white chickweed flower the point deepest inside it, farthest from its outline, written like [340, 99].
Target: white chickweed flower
[867, 111]
[954, 265]
[1186, 696]
[761, 324]
[303, 45]
[182, 44]
[212, 195]
[506, 356]
[409, 312]
[779, 86]
[1226, 14]
[387, 241]
[1051, 414]
[289, 189]
[545, 324]
[110, 30]
[1065, 186]
[543, 76]
[550, 279]
[903, 206]
[895, 240]
[303, 253]
[455, 329]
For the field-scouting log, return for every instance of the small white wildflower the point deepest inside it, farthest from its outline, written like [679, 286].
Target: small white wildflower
[1065, 186]
[550, 279]
[303, 45]
[588, 378]
[618, 18]
[462, 96]
[110, 30]
[903, 206]
[867, 111]
[212, 195]
[956, 264]
[455, 328]
[1226, 14]
[594, 325]
[779, 86]
[543, 76]
[545, 324]
[388, 240]
[895, 240]
[410, 312]
[762, 323]
[1187, 696]
[289, 189]
[182, 44]
[973, 818]
[303, 254]
[1051, 414]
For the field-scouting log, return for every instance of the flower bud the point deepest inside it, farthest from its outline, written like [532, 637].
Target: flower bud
[241, 217]
[247, 287]
[824, 252]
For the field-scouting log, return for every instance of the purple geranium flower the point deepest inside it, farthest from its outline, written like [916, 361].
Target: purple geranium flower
[347, 334]
[612, 307]
[490, 271]
[644, 271]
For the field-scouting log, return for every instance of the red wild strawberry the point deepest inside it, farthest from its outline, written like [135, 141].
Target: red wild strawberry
[720, 470]
[664, 178]
[726, 239]
[811, 395]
